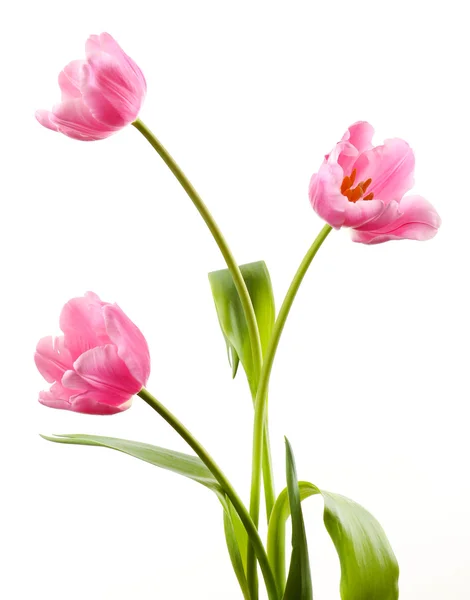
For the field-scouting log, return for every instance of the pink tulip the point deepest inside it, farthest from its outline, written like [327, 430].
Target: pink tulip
[362, 186]
[100, 95]
[99, 363]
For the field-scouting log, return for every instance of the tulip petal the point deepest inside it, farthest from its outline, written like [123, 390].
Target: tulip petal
[131, 345]
[103, 369]
[330, 204]
[106, 43]
[92, 45]
[44, 117]
[101, 108]
[325, 194]
[390, 167]
[82, 322]
[96, 100]
[84, 395]
[346, 155]
[56, 397]
[360, 135]
[74, 119]
[390, 214]
[418, 221]
[116, 83]
[358, 214]
[356, 140]
[70, 79]
[91, 402]
[73, 381]
[52, 358]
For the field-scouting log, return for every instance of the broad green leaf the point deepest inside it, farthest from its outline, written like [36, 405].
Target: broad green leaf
[299, 582]
[369, 569]
[183, 464]
[189, 466]
[232, 318]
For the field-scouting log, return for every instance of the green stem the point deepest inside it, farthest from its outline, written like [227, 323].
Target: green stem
[232, 265]
[262, 396]
[239, 282]
[268, 476]
[269, 493]
[255, 540]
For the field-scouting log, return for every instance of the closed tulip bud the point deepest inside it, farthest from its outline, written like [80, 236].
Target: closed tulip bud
[100, 94]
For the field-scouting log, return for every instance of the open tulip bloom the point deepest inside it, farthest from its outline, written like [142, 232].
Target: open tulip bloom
[102, 359]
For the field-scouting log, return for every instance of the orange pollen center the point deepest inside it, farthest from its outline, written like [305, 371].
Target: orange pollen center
[353, 194]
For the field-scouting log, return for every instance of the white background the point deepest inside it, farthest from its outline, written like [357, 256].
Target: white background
[371, 380]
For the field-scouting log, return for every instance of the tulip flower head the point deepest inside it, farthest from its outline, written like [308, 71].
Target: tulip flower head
[362, 186]
[99, 363]
[100, 95]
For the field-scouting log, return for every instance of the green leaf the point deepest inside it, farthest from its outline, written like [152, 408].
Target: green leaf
[183, 464]
[232, 318]
[369, 569]
[189, 466]
[237, 539]
[299, 582]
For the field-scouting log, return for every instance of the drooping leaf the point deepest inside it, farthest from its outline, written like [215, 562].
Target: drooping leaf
[236, 538]
[183, 464]
[240, 533]
[232, 318]
[369, 569]
[188, 466]
[299, 582]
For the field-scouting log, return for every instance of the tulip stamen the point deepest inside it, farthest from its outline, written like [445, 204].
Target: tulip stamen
[345, 185]
[356, 193]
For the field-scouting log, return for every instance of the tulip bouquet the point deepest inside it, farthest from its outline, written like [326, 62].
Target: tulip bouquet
[102, 359]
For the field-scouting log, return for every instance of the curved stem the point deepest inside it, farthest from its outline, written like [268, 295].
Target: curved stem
[261, 396]
[233, 267]
[255, 540]
[239, 282]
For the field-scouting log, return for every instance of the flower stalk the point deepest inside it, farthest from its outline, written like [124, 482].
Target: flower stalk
[240, 285]
[253, 535]
[262, 394]
[218, 238]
